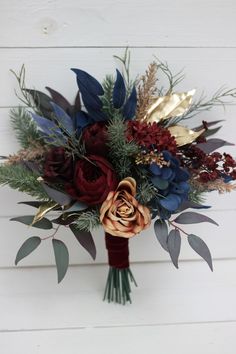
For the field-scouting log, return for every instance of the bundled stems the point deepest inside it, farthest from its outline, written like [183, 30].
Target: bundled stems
[118, 287]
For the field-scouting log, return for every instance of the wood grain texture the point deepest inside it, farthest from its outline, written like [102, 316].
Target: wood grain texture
[206, 69]
[108, 23]
[214, 338]
[31, 299]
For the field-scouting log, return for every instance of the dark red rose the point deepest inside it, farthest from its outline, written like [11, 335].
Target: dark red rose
[92, 180]
[95, 138]
[58, 166]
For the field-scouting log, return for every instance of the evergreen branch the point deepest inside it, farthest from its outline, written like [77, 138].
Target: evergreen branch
[23, 180]
[88, 220]
[145, 192]
[121, 151]
[195, 195]
[25, 128]
[107, 98]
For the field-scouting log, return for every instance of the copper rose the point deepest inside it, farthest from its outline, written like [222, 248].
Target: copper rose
[121, 214]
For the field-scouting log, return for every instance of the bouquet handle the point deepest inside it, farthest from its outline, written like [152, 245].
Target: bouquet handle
[118, 287]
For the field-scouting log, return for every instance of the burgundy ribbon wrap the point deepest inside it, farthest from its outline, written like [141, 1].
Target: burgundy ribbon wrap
[118, 251]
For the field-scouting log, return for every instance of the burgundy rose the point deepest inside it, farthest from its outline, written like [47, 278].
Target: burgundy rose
[58, 166]
[95, 138]
[93, 180]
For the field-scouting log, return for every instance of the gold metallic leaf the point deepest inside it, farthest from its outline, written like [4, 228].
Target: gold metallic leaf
[184, 135]
[166, 107]
[43, 210]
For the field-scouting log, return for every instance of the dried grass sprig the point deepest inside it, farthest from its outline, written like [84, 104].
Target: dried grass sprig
[146, 90]
[30, 154]
[217, 185]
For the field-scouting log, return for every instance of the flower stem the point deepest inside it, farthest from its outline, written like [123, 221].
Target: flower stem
[52, 235]
[177, 227]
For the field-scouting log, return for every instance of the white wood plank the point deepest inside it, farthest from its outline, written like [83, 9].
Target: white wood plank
[212, 338]
[205, 68]
[31, 299]
[145, 247]
[120, 23]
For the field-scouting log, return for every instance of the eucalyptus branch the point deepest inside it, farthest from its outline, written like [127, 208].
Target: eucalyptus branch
[52, 235]
[178, 228]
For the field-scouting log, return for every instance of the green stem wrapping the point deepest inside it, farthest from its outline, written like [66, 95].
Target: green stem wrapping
[118, 287]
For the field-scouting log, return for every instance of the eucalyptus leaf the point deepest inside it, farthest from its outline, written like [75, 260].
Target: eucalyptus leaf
[61, 257]
[78, 206]
[212, 145]
[42, 101]
[190, 217]
[59, 197]
[63, 119]
[119, 91]
[85, 239]
[186, 204]
[161, 231]
[60, 100]
[28, 247]
[174, 244]
[33, 203]
[28, 220]
[200, 247]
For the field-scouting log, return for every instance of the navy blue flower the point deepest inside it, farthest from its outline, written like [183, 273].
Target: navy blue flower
[171, 181]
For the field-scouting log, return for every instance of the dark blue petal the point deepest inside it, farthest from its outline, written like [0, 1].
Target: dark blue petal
[167, 156]
[181, 175]
[180, 188]
[119, 91]
[63, 119]
[155, 169]
[87, 81]
[166, 173]
[97, 116]
[171, 202]
[82, 119]
[130, 105]
[226, 178]
[184, 186]
[175, 162]
[90, 100]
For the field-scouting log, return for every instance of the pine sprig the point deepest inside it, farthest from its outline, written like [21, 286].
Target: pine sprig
[145, 192]
[25, 128]
[88, 220]
[23, 180]
[196, 195]
[108, 85]
[121, 151]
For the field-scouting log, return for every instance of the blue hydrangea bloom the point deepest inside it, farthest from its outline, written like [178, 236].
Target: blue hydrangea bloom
[171, 182]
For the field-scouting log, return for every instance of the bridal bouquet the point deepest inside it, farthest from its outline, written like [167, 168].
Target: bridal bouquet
[119, 157]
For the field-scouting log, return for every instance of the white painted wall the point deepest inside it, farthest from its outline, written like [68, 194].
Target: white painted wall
[185, 311]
